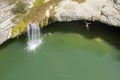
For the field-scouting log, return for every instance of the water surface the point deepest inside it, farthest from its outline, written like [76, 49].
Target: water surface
[70, 53]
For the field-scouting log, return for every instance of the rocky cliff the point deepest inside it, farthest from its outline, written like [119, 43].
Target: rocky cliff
[46, 11]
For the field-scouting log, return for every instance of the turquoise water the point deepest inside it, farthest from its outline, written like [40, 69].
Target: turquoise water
[70, 53]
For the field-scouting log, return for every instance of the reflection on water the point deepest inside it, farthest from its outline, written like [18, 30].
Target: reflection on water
[69, 52]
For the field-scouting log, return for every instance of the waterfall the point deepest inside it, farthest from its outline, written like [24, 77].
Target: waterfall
[33, 33]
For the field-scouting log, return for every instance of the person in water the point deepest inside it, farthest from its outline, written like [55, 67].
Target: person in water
[87, 24]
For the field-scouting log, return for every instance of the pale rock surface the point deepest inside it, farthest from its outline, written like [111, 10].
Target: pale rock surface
[46, 1]
[30, 3]
[5, 21]
[6, 16]
[106, 11]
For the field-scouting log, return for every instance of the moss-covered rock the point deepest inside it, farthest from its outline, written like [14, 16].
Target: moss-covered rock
[36, 14]
[68, 10]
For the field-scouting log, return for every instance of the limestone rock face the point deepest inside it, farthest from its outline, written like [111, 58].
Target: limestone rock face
[5, 21]
[105, 11]
[6, 16]
[117, 4]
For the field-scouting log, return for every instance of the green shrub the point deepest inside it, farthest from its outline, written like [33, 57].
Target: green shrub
[12, 1]
[20, 7]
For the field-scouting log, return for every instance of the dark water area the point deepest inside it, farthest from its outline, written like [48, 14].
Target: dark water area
[111, 34]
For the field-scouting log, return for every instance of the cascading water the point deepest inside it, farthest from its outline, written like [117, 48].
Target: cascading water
[33, 33]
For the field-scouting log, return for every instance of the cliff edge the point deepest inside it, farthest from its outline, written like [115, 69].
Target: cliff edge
[46, 11]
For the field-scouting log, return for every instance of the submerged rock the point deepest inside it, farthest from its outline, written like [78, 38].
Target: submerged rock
[105, 11]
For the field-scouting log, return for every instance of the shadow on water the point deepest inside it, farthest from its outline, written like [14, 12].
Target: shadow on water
[110, 34]
[20, 39]
[5, 44]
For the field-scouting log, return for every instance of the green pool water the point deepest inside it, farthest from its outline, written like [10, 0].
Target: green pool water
[70, 53]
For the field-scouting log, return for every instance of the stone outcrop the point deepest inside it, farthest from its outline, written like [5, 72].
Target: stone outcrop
[105, 11]
[6, 15]
[5, 21]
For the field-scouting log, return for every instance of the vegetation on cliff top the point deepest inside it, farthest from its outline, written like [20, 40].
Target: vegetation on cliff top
[20, 7]
[37, 13]
[20, 27]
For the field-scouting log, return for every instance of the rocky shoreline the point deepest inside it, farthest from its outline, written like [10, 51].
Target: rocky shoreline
[105, 11]
[5, 21]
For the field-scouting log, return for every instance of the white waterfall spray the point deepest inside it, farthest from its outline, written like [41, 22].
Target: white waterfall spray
[33, 33]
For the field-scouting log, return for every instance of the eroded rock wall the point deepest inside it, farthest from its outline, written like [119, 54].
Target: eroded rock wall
[5, 21]
[105, 11]
[6, 16]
